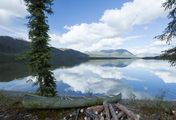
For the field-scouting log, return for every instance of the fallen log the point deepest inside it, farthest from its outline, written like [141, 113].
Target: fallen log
[77, 114]
[127, 112]
[88, 118]
[102, 118]
[106, 108]
[120, 114]
[90, 114]
[39, 102]
[113, 114]
[96, 109]
[69, 116]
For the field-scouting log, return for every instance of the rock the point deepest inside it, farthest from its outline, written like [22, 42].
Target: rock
[174, 112]
[48, 119]
[35, 118]
[28, 116]
[6, 117]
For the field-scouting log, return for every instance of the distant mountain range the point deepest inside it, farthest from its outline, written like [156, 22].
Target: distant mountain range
[10, 48]
[112, 53]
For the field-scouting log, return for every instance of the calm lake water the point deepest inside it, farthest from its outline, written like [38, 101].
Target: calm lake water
[140, 79]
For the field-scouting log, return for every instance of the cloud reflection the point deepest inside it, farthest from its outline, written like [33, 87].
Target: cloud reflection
[134, 78]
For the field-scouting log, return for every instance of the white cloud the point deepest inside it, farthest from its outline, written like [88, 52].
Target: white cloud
[88, 37]
[133, 13]
[12, 14]
[154, 48]
[19, 32]
[11, 9]
[108, 32]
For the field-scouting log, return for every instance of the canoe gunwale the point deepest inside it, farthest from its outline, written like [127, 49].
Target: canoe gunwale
[39, 102]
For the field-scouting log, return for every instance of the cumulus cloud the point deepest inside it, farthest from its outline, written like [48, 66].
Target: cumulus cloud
[133, 13]
[88, 37]
[152, 49]
[19, 32]
[108, 32]
[11, 9]
[12, 14]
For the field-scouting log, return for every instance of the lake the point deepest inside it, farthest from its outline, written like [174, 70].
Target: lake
[135, 79]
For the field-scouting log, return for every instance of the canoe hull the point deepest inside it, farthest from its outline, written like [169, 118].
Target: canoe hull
[38, 102]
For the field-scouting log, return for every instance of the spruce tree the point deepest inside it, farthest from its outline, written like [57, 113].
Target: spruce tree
[39, 55]
[170, 31]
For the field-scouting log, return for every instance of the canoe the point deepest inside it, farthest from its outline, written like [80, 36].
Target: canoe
[39, 102]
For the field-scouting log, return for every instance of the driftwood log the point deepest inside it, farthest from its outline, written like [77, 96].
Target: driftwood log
[128, 112]
[113, 114]
[77, 114]
[120, 114]
[106, 108]
[97, 109]
[105, 112]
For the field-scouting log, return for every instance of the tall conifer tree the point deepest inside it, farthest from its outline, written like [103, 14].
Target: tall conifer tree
[40, 51]
[170, 31]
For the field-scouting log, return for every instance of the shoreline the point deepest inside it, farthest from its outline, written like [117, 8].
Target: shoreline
[119, 58]
[11, 107]
[21, 94]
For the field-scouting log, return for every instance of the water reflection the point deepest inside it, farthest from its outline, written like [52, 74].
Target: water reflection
[10, 71]
[134, 78]
[16, 70]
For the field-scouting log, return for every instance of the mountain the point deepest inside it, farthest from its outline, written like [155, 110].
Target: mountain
[10, 48]
[152, 58]
[117, 53]
[119, 63]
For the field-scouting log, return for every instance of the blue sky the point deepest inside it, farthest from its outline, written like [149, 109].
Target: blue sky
[92, 25]
[71, 12]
